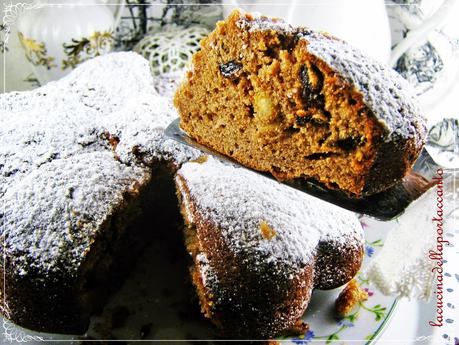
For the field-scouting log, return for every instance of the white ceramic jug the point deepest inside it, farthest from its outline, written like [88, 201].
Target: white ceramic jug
[57, 37]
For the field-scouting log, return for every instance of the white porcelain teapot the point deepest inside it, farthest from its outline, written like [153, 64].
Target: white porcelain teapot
[57, 37]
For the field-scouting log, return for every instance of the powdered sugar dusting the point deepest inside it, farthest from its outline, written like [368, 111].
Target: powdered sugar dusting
[91, 135]
[208, 276]
[239, 201]
[185, 202]
[55, 212]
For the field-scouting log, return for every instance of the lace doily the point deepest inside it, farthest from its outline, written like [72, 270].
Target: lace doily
[170, 49]
[13, 333]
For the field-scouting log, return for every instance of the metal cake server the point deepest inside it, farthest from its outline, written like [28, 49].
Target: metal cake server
[383, 206]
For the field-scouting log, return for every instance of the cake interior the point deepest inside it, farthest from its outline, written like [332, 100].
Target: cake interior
[151, 215]
[193, 248]
[261, 98]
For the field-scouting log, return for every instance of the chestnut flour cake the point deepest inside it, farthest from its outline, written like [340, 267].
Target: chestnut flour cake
[259, 248]
[300, 104]
[86, 182]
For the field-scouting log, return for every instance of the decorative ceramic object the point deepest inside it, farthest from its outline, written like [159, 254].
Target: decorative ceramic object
[169, 48]
[425, 51]
[363, 23]
[443, 143]
[57, 37]
[197, 12]
[141, 17]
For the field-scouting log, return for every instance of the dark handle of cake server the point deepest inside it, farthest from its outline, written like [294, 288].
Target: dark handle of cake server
[383, 206]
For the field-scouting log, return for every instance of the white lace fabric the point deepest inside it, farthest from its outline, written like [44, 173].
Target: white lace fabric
[403, 268]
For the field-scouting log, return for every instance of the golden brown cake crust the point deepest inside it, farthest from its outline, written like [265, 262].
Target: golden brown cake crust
[300, 104]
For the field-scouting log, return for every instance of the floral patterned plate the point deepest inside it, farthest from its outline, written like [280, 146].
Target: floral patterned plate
[155, 303]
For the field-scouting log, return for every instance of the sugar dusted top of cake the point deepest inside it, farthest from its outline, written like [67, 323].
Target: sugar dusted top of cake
[261, 218]
[55, 212]
[94, 132]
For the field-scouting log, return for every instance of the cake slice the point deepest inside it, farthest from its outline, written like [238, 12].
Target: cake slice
[301, 105]
[259, 248]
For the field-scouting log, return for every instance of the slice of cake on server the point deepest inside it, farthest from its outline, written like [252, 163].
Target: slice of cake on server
[301, 105]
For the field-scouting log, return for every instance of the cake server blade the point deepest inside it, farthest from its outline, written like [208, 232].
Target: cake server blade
[383, 206]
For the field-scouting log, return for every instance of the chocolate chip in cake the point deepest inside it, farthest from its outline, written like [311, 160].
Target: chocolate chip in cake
[302, 120]
[291, 130]
[230, 69]
[288, 42]
[251, 111]
[306, 80]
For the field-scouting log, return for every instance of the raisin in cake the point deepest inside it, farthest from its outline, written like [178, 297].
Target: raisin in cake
[300, 104]
[86, 181]
[259, 248]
